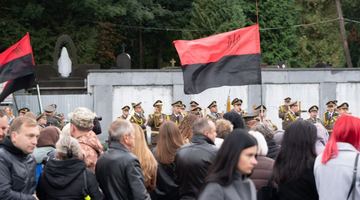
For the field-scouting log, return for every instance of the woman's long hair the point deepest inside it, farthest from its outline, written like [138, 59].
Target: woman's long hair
[297, 151]
[346, 129]
[225, 164]
[169, 141]
[147, 161]
[185, 127]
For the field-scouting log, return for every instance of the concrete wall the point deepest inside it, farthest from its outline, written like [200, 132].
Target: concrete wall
[112, 89]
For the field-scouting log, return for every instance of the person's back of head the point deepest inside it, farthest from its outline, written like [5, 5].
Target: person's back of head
[68, 147]
[185, 126]
[297, 151]
[346, 129]
[223, 128]
[206, 127]
[48, 137]
[226, 162]
[82, 118]
[262, 149]
[122, 131]
[235, 119]
[265, 130]
[169, 141]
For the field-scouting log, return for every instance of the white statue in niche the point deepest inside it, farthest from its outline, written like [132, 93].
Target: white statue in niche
[64, 63]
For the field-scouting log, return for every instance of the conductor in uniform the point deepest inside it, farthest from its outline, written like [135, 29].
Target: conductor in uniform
[155, 120]
[331, 115]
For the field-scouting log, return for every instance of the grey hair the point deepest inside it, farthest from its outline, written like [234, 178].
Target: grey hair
[68, 147]
[119, 128]
[201, 125]
[262, 147]
[265, 130]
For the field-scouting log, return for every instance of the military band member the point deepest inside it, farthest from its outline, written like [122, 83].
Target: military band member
[23, 111]
[213, 115]
[261, 115]
[343, 108]
[291, 116]
[313, 113]
[183, 110]
[125, 112]
[236, 103]
[138, 116]
[197, 111]
[283, 109]
[155, 120]
[176, 115]
[331, 115]
[194, 105]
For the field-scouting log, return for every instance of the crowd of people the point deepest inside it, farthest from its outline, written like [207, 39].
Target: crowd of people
[191, 155]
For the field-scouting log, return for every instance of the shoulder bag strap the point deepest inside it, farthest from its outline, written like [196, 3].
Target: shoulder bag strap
[354, 176]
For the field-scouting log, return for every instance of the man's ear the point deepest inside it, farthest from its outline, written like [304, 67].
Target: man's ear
[13, 136]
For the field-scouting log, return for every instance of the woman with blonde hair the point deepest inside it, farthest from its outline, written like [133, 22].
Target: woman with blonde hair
[169, 142]
[146, 158]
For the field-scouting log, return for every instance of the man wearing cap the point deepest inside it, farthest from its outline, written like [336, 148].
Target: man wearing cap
[125, 112]
[331, 115]
[50, 116]
[176, 115]
[23, 111]
[197, 111]
[194, 108]
[261, 115]
[313, 113]
[81, 125]
[138, 116]
[343, 108]
[251, 120]
[155, 120]
[283, 109]
[213, 115]
[236, 103]
[291, 116]
[183, 110]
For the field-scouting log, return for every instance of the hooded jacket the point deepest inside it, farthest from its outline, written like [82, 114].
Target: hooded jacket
[64, 179]
[17, 172]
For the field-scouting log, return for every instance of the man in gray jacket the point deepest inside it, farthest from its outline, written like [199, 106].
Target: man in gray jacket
[17, 166]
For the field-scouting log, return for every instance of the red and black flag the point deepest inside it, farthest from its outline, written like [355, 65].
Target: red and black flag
[17, 67]
[231, 58]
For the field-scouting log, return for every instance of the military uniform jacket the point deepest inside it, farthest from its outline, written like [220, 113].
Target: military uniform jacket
[139, 120]
[283, 109]
[314, 121]
[214, 116]
[175, 119]
[155, 120]
[122, 117]
[329, 119]
[289, 118]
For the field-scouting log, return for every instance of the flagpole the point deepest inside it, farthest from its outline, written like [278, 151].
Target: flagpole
[39, 98]
[15, 103]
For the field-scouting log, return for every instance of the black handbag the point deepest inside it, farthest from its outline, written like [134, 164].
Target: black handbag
[354, 178]
[268, 192]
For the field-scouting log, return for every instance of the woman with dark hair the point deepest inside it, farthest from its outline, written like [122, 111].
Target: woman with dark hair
[293, 168]
[185, 127]
[334, 169]
[236, 119]
[235, 160]
[169, 141]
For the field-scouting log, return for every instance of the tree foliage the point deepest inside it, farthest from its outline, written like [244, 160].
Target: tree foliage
[148, 27]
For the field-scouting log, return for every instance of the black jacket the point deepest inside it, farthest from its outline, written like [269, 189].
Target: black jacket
[192, 163]
[17, 173]
[119, 174]
[166, 188]
[64, 179]
[273, 149]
